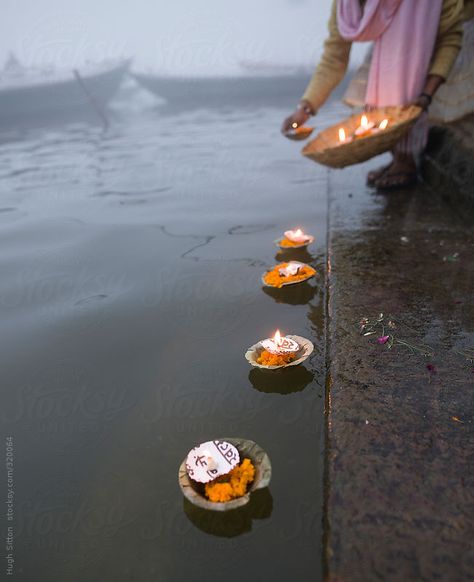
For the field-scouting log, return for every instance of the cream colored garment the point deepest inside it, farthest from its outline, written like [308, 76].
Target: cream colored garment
[455, 98]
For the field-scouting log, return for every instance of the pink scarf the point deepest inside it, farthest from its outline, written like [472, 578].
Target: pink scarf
[404, 32]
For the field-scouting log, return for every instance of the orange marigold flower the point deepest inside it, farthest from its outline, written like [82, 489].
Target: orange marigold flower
[286, 242]
[233, 484]
[219, 492]
[268, 359]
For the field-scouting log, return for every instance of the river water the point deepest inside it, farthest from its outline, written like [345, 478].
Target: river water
[131, 262]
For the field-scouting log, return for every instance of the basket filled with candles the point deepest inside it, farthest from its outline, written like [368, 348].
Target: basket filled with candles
[288, 273]
[294, 239]
[361, 137]
[279, 351]
[221, 474]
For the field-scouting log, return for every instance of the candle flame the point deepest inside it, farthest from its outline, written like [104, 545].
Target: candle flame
[383, 124]
[364, 122]
[298, 232]
[277, 337]
[294, 125]
[342, 134]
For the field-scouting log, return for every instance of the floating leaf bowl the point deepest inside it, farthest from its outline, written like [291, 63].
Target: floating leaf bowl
[306, 349]
[285, 283]
[194, 492]
[294, 246]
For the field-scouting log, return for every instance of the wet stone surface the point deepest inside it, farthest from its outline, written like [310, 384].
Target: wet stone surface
[447, 164]
[400, 432]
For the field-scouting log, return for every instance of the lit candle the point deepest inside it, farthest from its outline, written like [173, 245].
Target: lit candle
[279, 344]
[365, 126]
[342, 136]
[382, 125]
[291, 269]
[297, 236]
[210, 460]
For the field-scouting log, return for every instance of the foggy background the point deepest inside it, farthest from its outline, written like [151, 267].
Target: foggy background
[180, 37]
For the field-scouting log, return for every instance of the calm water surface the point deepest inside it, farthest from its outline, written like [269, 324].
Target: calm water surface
[130, 289]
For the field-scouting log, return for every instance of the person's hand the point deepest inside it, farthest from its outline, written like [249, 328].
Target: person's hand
[423, 101]
[299, 117]
[296, 119]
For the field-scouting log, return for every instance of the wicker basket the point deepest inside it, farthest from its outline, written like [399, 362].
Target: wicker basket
[327, 150]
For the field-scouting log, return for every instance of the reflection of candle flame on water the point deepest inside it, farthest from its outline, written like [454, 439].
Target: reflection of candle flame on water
[342, 134]
[383, 124]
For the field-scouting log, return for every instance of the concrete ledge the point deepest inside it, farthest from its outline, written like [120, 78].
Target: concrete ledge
[400, 484]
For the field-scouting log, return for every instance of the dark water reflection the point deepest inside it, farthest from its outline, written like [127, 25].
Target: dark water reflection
[300, 294]
[286, 381]
[302, 255]
[131, 264]
[232, 523]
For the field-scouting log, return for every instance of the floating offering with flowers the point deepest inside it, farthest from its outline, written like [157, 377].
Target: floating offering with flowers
[221, 474]
[279, 351]
[288, 274]
[294, 239]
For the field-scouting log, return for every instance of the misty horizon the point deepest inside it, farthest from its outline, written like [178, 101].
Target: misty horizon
[180, 39]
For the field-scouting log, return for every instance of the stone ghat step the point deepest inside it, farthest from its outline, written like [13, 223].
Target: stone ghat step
[399, 482]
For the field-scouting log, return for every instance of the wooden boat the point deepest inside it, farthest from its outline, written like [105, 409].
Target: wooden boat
[35, 94]
[221, 92]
